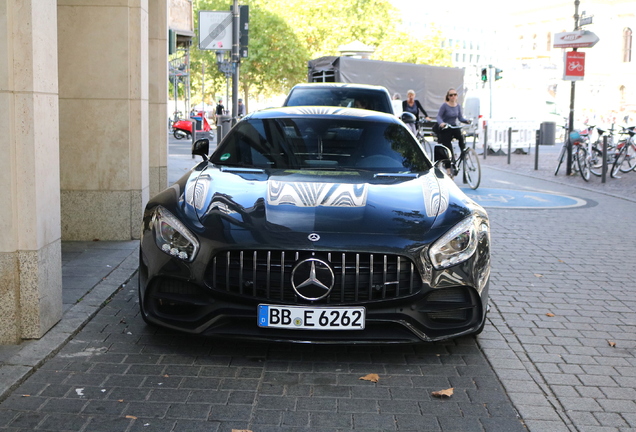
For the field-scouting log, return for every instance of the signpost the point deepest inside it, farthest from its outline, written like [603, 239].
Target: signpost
[574, 67]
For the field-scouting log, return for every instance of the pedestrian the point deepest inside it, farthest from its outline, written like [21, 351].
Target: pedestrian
[413, 106]
[450, 113]
[397, 103]
[220, 109]
[241, 108]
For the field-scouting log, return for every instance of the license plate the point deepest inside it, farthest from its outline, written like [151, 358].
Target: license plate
[311, 318]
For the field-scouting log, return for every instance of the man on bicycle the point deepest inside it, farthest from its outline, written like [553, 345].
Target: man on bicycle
[448, 115]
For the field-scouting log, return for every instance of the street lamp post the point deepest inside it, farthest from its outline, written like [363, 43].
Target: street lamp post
[226, 67]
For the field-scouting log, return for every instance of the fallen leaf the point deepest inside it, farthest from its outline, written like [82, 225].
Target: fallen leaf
[538, 275]
[550, 314]
[448, 393]
[26, 395]
[166, 376]
[241, 430]
[371, 377]
[131, 417]
[611, 343]
[120, 400]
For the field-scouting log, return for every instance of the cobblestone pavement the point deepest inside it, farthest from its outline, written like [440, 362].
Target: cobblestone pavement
[558, 352]
[561, 335]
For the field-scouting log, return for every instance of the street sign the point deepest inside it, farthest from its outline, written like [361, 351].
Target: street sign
[574, 69]
[586, 20]
[575, 39]
[215, 30]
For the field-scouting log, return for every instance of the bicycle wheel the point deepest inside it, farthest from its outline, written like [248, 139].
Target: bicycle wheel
[596, 160]
[629, 164]
[620, 160]
[561, 158]
[472, 168]
[583, 162]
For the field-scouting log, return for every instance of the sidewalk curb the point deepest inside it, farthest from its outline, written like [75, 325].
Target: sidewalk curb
[35, 352]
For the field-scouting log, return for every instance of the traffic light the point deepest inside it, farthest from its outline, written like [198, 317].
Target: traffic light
[484, 74]
[498, 73]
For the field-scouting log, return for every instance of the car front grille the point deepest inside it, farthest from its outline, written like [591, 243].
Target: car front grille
[359, 277]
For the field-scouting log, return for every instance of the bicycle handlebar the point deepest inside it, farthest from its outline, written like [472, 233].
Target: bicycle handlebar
[446, 126]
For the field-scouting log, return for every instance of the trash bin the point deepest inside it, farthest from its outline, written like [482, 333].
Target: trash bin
[223, 126]
[547, 132]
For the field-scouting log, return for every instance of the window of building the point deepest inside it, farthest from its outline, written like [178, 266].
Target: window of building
[627, 45]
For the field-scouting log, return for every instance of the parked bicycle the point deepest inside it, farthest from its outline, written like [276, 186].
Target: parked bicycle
[625, 160]
[575, 139]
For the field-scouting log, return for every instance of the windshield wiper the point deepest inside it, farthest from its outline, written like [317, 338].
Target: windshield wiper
[408, 175]
[226, 168]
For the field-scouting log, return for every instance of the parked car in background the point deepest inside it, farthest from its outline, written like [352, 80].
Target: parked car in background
[371, 97]
[319, 225]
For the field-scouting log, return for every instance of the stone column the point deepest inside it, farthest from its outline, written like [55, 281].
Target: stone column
[103, 83]
[30, 248]
[158, 81]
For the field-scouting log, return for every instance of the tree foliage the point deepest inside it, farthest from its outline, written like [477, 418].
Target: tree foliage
[324, 25]
[277, 59]
[285, 34]
[402, 47]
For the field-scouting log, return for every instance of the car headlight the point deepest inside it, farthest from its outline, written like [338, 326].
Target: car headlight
[457, 245]
[172, 237]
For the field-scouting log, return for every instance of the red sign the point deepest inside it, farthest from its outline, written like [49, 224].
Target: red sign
[574, 69]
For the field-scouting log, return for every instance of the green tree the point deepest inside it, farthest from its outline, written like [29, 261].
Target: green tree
[324, 25]
[402, 47]
[285, 34]
[277, 59]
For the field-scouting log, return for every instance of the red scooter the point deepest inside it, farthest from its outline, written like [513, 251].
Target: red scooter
[183, 128]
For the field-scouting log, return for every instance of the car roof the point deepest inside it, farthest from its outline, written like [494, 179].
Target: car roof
[340, 85]
[323, 112]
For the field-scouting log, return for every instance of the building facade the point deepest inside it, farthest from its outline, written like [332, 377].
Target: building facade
[83, 105]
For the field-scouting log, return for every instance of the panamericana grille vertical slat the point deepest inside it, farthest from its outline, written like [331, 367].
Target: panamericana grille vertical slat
[265, 275]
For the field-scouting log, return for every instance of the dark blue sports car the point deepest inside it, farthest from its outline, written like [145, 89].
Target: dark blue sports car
[316, 224]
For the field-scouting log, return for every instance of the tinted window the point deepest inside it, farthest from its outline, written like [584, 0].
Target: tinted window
[334, 144]
[371, 99]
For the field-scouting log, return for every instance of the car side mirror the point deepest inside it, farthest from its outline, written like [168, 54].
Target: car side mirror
[408, 118]
[201, 148]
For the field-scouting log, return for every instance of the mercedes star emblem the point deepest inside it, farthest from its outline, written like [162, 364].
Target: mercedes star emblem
[312, 279]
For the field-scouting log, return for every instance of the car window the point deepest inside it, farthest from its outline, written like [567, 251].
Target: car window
[321, 143]
[344, 97]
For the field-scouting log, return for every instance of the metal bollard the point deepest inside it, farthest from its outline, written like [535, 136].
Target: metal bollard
[509, 143]
[485, 141]
[536, 151]
[604, 170]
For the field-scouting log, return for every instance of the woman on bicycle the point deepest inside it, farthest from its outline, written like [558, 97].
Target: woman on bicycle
[413, 106]
[449, 114]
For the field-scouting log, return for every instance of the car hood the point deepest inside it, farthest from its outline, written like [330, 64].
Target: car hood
[323, 202]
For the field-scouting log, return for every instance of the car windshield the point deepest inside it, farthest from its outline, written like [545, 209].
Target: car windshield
[343, 97]
[321, 143]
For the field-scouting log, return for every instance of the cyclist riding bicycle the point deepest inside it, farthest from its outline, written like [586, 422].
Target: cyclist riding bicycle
[449, 114]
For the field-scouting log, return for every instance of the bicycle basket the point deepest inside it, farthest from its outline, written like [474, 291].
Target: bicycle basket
[575, 136]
